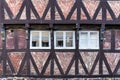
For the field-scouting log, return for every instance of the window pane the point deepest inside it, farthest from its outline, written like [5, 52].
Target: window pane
[83, 35]
[69, 35]
[83, 44]
[69, 39]
[93, 35]
[83, 40]
[59, 39]
[35, 39]
[45, 39]
[59, 35]
[93, 40]
[93, 44]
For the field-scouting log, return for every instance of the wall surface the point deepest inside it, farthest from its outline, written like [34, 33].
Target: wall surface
[65, 5]
[63, 57]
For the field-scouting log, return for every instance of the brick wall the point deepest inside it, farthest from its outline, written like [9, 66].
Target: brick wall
[65, 6]
[63, 57]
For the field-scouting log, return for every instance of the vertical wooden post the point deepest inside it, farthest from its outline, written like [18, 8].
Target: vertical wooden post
[101, 52]
[78, 9]
[4, 53]
[52, 52]
[113, 40]
[77, 49]
[1, 12]
[104, 11]
[28, 48]
[28, 13]
[52, 10]
[15, 38]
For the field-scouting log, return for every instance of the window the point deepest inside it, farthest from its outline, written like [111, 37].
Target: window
[64, 39]
[40, 40]
[89, 40]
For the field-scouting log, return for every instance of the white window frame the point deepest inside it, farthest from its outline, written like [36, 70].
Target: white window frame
[64, 40]
[88, 41]
[40, 40]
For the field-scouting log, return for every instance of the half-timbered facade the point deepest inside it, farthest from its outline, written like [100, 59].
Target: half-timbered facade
[60, 38]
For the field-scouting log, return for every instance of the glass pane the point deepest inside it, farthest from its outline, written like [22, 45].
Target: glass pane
[69, 35]
[69, 39]
[59, 35]
[93, 41]
[45, 39]
[93, 44]
[59, 39]
[83, 44]
[93, 35]
[83, 35]
[69, 43]
[35, 39]
[59, 43]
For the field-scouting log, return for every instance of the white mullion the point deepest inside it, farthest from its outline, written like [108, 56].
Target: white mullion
[31, 40]
[88, 40]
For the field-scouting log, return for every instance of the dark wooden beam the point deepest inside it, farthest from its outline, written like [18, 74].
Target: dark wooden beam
[101, 38]
[77, 49]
